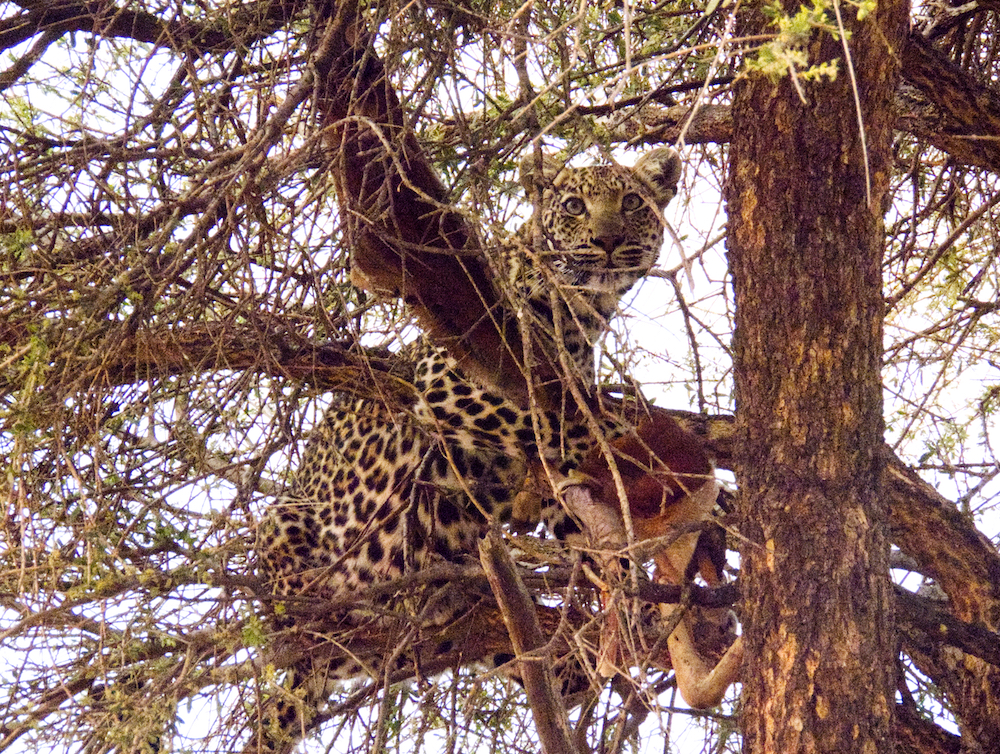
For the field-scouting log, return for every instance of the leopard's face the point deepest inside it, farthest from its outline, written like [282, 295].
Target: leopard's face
[601, 228]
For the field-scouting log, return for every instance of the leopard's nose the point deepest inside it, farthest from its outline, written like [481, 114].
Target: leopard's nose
[607, 232]
[608, 243]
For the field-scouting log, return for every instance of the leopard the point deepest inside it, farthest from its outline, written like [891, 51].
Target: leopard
[381, 493]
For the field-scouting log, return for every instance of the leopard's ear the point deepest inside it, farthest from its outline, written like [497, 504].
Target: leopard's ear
[660, 169]
[542, 170]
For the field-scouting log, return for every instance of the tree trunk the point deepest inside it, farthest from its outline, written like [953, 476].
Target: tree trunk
[805, 244]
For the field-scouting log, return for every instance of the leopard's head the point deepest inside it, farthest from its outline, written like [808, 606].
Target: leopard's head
[601, 227]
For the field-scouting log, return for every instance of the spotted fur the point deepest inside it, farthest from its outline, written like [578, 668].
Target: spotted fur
[381, 494]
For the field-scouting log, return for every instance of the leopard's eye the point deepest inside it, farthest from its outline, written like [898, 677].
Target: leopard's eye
[574, 205]
[631, 202]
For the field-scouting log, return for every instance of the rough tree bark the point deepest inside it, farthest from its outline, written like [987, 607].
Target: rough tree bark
[805, 246]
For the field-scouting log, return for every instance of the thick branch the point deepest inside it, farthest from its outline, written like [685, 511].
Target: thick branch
[405, 238]
[914, 734]
[518, 612]
[210, 347]
[967, 120]
[106, 19]
[919, 615]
